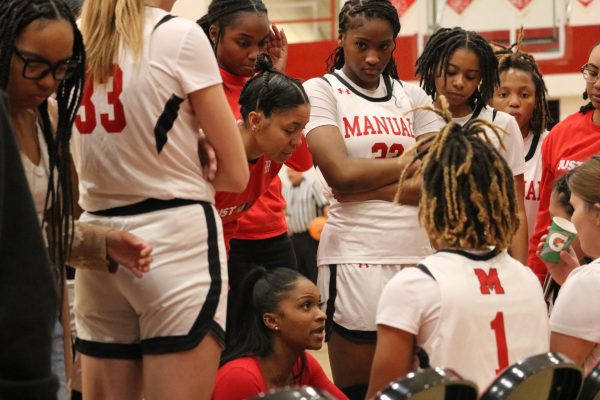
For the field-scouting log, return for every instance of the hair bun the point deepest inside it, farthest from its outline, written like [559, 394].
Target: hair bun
[263, 63]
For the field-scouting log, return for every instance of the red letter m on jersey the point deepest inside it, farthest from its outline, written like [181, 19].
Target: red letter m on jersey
[489, 281]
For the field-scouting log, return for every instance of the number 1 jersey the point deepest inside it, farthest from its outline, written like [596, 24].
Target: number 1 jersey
[472, 312]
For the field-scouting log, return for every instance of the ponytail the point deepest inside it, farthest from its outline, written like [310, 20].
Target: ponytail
[260, 293]
[105, 24]
[270, 90]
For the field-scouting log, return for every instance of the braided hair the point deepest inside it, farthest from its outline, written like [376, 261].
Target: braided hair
[513, 58]
[441, 46]
[223, 13]
[468, 197]
[15, 15]
[369, 9]
[270, 90]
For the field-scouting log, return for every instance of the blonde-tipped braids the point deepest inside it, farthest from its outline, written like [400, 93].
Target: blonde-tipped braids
[468, 194]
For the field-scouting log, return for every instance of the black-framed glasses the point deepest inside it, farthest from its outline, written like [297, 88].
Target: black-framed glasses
[38, 68]
[590, 75]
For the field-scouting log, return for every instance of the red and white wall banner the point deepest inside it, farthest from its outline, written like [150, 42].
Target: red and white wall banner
[459, 5]
[402, 5]
[585, 2]
[520, 4]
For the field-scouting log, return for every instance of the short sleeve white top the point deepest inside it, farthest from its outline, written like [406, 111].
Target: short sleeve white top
[577, 309]
[138, 134]
[513, 141]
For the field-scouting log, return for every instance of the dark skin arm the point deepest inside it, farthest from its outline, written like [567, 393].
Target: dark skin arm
[411, 188]
[519, 247]
[410, 194]
[347, 175]
[393, 357]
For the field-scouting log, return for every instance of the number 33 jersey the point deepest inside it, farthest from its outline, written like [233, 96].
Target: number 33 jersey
[476, 313]
[137, 135]
[372, 124]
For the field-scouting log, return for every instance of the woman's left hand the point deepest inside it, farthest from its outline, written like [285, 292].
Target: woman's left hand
[277, 48]
[566, 264]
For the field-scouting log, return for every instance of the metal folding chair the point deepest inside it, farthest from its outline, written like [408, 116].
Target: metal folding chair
[548, 376]
[430, 384]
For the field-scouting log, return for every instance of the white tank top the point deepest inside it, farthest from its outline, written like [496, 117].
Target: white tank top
[491, 304]
[374, 125]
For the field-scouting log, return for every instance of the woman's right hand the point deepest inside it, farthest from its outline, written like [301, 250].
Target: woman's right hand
[561, 270]
[129, 251]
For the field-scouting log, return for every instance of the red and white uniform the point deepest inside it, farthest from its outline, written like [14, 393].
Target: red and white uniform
[137, 140]
[232, 206]
[266, 218]
[373, 124]
[471, 313]
[569, 144]
[369, 241]
[533, 180]
[118, 157]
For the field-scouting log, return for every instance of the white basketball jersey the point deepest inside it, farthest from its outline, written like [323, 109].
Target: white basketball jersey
[492, 314]
[512, 152]
[376, 232]
[533, 179]
[138, 137]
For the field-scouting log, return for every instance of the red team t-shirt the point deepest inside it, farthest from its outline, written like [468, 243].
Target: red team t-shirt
[569, 144]
[267, 217]
[243, 379]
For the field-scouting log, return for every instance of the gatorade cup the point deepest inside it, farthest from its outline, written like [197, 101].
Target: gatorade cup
[560, 236]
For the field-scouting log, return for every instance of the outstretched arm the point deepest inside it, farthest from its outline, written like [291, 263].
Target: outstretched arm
[103, 248]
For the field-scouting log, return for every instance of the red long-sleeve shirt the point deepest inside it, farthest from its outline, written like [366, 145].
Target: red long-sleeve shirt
[570, 143]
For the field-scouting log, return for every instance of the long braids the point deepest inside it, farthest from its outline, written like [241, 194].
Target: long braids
[15, 15]
[370, 9]
[468, 197]
[513, 58]
[434, 60]
[222, 13]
